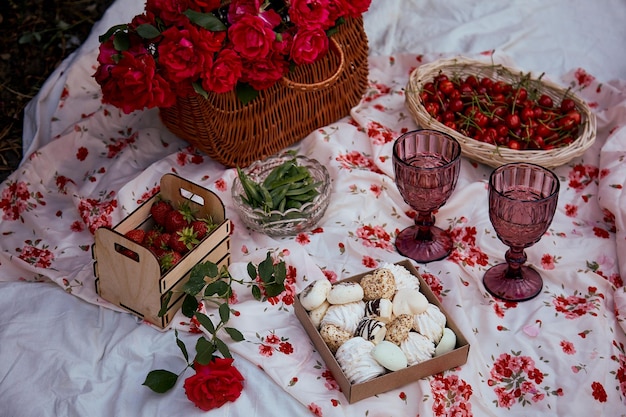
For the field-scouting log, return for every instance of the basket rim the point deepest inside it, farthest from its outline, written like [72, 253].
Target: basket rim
[489, 154]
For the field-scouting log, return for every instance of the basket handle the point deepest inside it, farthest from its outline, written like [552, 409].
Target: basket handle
[336, 48]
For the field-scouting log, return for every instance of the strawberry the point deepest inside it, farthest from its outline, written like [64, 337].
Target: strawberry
[163, 241]
[136, 235]
[200, 228]
[160, 211]
[151, 237]
[169, 259]
[175, 221]
[184, 240]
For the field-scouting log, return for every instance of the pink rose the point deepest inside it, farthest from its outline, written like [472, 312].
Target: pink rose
[214, 384]
[224, 73]
[308, 46]
[251, 38]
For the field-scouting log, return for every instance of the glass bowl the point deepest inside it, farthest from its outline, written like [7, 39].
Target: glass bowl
[289, 222]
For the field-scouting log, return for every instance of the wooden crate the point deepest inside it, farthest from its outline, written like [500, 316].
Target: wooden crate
[137, 285]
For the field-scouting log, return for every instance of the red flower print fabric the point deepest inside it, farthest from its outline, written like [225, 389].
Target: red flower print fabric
[560, 353]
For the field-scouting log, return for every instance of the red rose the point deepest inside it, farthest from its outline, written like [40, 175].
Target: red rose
[204, 5]
[353, 8]
[179, 54]
[224, 73]
[308, 46]
[133, 83]
[214, 384]
[311, 14]
[264, 74]
[251, 37]
[170, 11]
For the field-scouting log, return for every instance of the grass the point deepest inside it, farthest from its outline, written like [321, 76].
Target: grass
[35, 37]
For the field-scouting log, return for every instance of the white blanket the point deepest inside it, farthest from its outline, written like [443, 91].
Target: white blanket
[66, 352]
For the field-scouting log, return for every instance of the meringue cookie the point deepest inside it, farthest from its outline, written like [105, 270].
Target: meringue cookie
[345, 316]
[403, 277]
[345, 292]
[409, 301]
[318, 313]
[371, 329]
[379, 284]
[333, 336]
[430, 323]
[417, 348]
[399, 328]
[356, 360]
[380, 308]
[447, 342]
[315, 294]
[390, 356]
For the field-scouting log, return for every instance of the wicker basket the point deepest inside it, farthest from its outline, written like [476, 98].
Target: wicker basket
[484, 152]
[312, 96]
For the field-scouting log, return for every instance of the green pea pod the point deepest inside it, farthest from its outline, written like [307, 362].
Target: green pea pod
[306, 197]
[303, 190]
[268, 204]
[288, 180]
[292, 204]
[278, 173]
[278, 194]
[250, 188]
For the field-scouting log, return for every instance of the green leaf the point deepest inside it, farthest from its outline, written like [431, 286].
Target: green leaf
[190, 305]
[280, 272]
[165, 303]
[196, 277]
[234, 334]
[219, 288]
[121, 41]
[182, 346]
[206, 322]
[148, 31]
[266, 268]
[204, 351]
[160, 380]
[272, 290]
[197, 87]
[245, 93]
[256, 292]
[223, 348]
[252, 270]
[205, 20]
[224, 312]
[112, 30]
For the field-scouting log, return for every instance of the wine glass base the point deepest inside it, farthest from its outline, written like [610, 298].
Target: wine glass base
[512, 289]
[424, 251]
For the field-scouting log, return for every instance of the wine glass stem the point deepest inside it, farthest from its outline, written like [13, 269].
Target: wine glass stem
[424, 221]
[515, 258]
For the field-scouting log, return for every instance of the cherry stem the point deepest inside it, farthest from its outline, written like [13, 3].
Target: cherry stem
[515, 258]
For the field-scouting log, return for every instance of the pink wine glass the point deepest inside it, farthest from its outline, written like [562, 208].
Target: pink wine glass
[522, 202]
[426, 164]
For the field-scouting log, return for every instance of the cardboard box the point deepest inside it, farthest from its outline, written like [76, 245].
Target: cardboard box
[390, 380]
[135, 283]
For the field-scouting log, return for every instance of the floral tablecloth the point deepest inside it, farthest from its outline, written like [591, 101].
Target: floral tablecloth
[562, 353]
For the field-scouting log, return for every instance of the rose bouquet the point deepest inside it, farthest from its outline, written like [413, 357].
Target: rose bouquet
[178, 48]
[216, 380]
